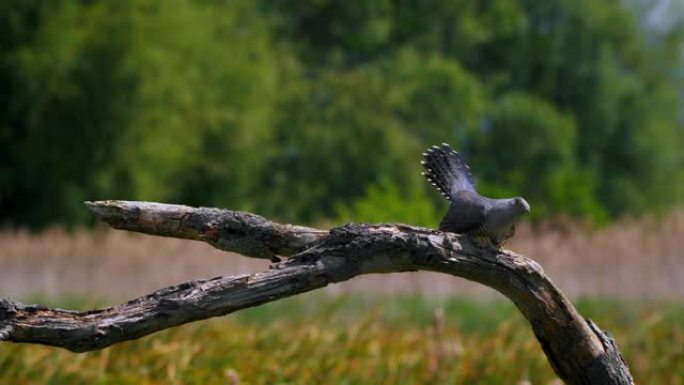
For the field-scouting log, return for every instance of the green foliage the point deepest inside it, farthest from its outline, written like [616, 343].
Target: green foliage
[528, 149]
[384, 202]
[437, 99]
[336, 136]
[357, 340]
[111, 100]
[298, 109]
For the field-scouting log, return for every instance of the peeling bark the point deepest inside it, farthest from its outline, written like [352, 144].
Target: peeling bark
[578, 351]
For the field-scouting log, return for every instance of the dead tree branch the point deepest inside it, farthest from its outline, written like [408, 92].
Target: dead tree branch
[577, 349]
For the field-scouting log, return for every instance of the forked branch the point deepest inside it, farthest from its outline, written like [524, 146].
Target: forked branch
[577, 349]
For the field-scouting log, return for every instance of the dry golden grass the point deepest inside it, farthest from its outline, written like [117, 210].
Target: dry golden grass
[630, 259]
[313, 339]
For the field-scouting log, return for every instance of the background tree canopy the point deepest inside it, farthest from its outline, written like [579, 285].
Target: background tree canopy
[319, 110]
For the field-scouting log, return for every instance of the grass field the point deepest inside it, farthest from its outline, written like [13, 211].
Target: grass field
[317, 339]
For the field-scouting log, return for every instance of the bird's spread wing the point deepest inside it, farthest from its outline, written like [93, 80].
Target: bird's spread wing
[447, 171]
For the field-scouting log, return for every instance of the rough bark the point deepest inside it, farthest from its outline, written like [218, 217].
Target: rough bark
[578, 351]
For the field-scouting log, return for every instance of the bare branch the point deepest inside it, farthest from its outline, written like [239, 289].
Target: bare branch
[579, 352]
[245, 233]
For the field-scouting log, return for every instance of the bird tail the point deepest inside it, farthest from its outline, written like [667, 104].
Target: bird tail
[447, 171]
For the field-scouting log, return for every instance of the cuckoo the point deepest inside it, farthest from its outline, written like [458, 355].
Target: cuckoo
[469, 212]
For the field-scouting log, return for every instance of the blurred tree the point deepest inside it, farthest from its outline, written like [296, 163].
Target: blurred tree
[335, 33]
[314, 109]
[204, 103]
[528, 149]
[590, 60]
[62, 79]
[437, 99]
[336, 136]
[135, 99]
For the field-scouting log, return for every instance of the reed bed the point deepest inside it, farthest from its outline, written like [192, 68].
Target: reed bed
[629, 259]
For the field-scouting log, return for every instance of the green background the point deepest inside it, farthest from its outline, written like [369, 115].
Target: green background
[317, 111]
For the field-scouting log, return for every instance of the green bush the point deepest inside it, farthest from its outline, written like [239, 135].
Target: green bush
[384, 202]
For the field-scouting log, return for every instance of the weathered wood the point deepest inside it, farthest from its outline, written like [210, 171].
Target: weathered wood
[224, 229]
[576, 348]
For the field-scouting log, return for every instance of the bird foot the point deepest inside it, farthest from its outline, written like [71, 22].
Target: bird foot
[481, 240]
[484, 241]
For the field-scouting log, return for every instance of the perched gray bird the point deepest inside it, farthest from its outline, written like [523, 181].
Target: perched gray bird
[470, 212]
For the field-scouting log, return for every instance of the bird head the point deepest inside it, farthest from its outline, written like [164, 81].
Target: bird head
[520, 205]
